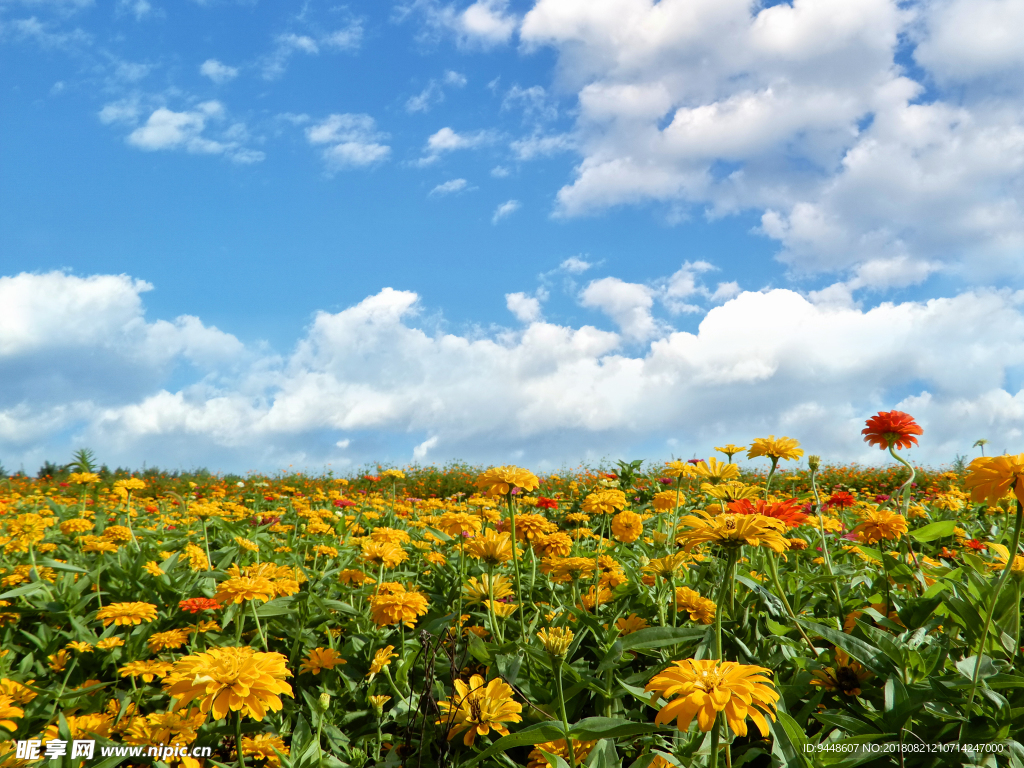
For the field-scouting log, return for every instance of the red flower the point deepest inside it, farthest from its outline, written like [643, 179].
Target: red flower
[891, 428]
[197, 604]
[840, 499]
[787, 511]
[976, 545]
[547, 503]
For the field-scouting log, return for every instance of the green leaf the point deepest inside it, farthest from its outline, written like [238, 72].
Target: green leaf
[279, 606]
[62, 566]
[28, 589]
[535, 734]
[592, 728]
[658, 637]
[866, 654]
[933, 531]
[604, 755]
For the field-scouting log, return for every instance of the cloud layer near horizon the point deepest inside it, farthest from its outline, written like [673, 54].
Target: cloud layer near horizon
[83, 365]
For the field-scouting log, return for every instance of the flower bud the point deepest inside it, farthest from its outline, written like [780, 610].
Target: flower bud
[814, 462]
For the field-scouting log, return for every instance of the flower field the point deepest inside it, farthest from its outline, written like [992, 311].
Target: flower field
[681, 613]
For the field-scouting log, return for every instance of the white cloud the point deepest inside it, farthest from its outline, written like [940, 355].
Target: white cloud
[542, 146]
[82, 364]
[455, 79]
[505, 209]
[218, 72]
[575, 265]
[801, 112]
[525, 308]
[627, 304]
[353, 141]
[433, 94]
[420, 451]
[348, 38]
[448, 140]
[140, 9]
[450, 187]
[482, 24]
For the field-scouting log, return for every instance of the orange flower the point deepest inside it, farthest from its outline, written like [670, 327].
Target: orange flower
[788, 511]
[894, 429]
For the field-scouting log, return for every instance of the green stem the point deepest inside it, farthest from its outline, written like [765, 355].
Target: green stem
[824, 549]
[515, 565]
[671, 541]
[771, 474]
[774, 572]
[258, 625]
[1007, 569]
[723, 592]
[238, 739]
[715, 737]
[556, 663]
[905, 488]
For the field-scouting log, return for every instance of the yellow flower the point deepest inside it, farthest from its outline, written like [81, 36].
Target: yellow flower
[529, 526]
[381, 659]
[397, 474]
[1002, 554]
[383, 553]
[76, 525]
[153, 568]
[123, 614]
[163, 641]
[989, 478]
[262, 746]
[631, 624]
[707, 687]
[730, 450]
[9, 711]
[478, 591]
[556, 640]
[604, 501]
[581, 749]
[17, 691]
[390, 536]
[731, 490]
[558, 544]
[565, 569]
[230, 679]
[479, 708]
[81, 647]
[378, 702]
[83, 478]
[879, 524]
[782, 448]
[160, 727]
[110, 643]
[716, 471]
[627, 526]
[131, 484]
[252, 546]
[320, 659]
[83, 726]
[668, 566]
[499, 481]
[355, 576]
[504, 610]
[457, 523]
[147, 670]
[734, 531]
[844, 677]
[699, 608]
[196, 558]
[97, 544]
[242, 588]
[493, 548]
[400, 607]
[679, 469]
[119, 534]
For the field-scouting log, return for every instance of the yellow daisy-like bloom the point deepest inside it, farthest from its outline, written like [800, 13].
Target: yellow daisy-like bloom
[1002, 554]
[604, 501]
[161, 727]
[679, 469]
[230, 679]
[400, 607]
[390, 536]
[782, 448]
[196, 558]
[630, 624]
[395, 474]
[556, 640]
[242, 588]
[668, 566]
[165, 641]
[18, 692]
[147, 670]
[499, 481]
[153, 568]
[326, 551]
[529, 526]
[627, 526]
[119, 534]
[110, 643]
[81, 647]
[131, 484]
[477, 591]
[879, 524]
[733, 531]
[383, 553]
[565, 569]
[593, 597]
[77, 525]
[381, 659]
[458, 523]
[707, 687]
[844, 676]
[715, 471]
[262, 746]
[478, 709]
[246, 544]
[378, 702]
[320, 659]
[124, 614]
[731, 490]
[730, 450]
[97, 544]
[493, 548]
[355, 576]
[558, 544]
[581, 749]
[504, 610]
[83, 726]
[666, 500]
[83, 478]
[8, 711]
[699, 608]
[989, 478]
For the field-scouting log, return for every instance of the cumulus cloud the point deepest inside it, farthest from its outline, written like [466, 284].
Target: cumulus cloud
[504, 210]
[450, 187]
[82, 364]
[352, 140]
[482, 24]
[448, 140]
[218, 72]
[801, 112]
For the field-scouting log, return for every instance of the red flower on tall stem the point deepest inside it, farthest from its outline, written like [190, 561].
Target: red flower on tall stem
[197, 604]
[894, 429]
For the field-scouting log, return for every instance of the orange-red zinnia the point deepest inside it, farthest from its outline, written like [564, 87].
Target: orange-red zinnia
[891, 428]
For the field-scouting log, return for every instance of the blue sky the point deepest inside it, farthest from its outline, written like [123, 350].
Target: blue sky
[249, 235]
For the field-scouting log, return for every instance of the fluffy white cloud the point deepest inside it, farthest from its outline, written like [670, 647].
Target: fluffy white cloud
[218, 72]
[353, 141]
[800, 111]
[481, 24]
[79, 358]
[525, 308]
[450, 187]
[504, 210]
